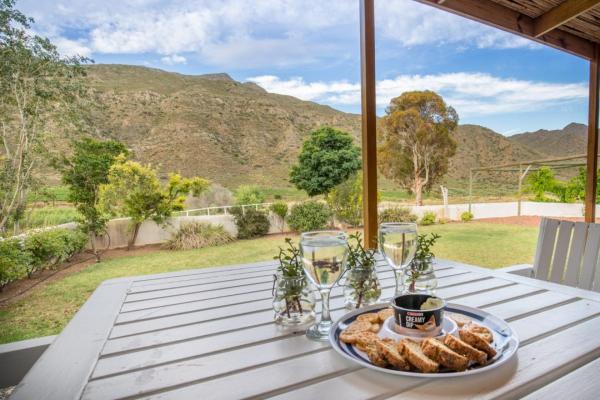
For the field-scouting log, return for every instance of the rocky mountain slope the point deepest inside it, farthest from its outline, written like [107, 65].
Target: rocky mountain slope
[234, 133]
[570, 140]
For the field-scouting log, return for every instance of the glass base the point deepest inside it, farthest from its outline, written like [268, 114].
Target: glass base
[319, 332]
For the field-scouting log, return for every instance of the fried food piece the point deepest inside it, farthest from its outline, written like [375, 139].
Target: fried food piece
[364, 340]
[477, 341]
[482, 331]
[359, 326]
[411, 350]
[389, 349]
[465, 349]
[443, 355]
[357, 337]
[369, 317]
[375, 356]
[385, 314]
[375, 328]
[461, 320]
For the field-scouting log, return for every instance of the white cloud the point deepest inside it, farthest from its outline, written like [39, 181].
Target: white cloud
[471, 94]
[173, 59]
[235, 32]
[69, 47]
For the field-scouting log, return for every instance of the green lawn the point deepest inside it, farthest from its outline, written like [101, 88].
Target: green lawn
[47, 309]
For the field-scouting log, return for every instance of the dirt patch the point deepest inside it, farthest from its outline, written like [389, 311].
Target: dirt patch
[525, 220]
[21, 288]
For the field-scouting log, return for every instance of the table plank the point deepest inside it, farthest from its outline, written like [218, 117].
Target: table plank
[63, 369]
[581, 384]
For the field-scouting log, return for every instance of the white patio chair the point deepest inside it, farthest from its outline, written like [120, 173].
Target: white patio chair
[567, 253]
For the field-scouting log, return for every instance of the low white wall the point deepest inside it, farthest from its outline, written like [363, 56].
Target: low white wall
[496, 210]
[152, 233]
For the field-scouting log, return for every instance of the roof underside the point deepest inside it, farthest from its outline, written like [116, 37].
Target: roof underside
[569, 25]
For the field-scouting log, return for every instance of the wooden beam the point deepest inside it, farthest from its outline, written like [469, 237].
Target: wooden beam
[592, 144]
[498, 16]
[369, 121]
[561, 14]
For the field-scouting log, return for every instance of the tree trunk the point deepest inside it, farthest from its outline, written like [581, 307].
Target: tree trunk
[136, 229]
[93, 244]
[418, 190]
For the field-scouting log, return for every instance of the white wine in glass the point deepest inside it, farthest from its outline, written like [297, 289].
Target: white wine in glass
[398, 244]
[324, 259]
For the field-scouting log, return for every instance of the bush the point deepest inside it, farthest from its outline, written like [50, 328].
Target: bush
[309, 216]
[397, 214]
[251, 223]
[280, 209]
[51, 247]
[249, 194]
[13, 262]
[428, 218]
[345, 200]
[466, 216]
[196, 235]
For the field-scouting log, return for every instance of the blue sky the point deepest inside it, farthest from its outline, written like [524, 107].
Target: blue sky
[310, 49]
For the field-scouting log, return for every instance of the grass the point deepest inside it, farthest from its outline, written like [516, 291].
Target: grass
[49, 216]
[49, 194]
[48, 309]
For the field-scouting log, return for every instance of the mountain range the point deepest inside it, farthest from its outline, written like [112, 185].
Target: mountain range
[234, 133]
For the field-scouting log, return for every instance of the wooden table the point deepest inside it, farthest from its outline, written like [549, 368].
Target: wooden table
[208, 333]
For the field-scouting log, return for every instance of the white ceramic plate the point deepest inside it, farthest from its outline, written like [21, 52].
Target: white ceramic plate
[505, 342]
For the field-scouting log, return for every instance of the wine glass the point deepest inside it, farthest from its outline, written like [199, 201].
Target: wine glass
[324, 258]
[398, 244]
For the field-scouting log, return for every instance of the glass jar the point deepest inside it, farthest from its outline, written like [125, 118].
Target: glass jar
[361, 287]
[293, 300]
[420, 277]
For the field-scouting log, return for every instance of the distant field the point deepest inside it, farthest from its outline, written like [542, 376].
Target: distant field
[49, 194]
[49, 216]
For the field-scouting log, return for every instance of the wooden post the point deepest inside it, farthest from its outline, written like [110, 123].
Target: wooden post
[369, 121]
[470, 188]
[592, 144]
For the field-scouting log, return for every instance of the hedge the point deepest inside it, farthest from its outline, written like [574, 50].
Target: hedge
[24, 255]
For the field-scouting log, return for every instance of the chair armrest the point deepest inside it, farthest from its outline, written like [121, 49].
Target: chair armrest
[521, 269]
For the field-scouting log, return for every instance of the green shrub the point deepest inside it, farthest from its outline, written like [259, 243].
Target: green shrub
[251, 223]
[280, 209]
[248, 194]
[466, 216]
[345, 200]
[196, 235]
[428, 218]
[51, 247]
[309, 216]
[13, 261]
[397, 214]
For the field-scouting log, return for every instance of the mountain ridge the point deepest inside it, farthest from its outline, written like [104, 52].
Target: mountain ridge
[233, 133]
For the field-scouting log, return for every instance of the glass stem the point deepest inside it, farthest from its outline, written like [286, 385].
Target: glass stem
[398, 274]
[325, 317]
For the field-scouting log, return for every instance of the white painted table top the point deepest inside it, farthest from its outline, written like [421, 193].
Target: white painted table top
[209, 334]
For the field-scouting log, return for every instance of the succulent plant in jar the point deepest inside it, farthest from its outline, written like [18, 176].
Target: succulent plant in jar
[293, 297]
[420, 275]
[361, 285]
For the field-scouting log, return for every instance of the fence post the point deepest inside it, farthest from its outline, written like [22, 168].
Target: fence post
[208, 211]
[243, 209]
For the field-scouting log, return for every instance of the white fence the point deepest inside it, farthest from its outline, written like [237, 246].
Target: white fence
[221, 209]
